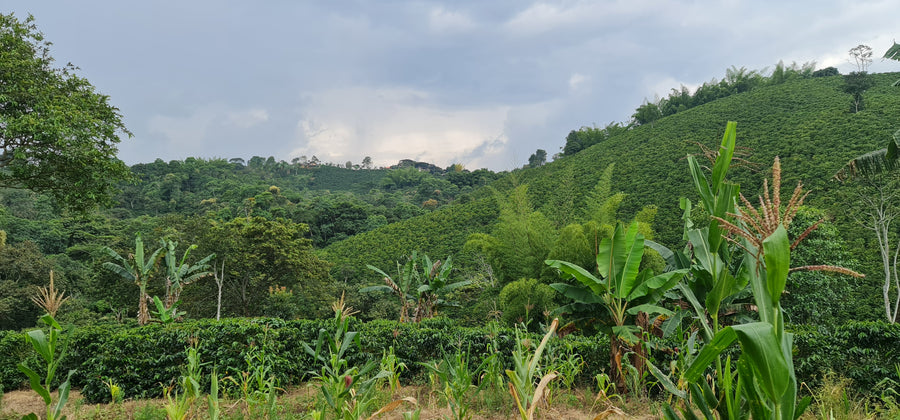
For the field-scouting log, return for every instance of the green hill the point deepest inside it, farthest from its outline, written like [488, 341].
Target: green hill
[807, 122]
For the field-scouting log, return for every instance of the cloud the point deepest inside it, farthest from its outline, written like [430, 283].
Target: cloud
[248, 118]
[447, 21]
[202, 131]
[389, 124]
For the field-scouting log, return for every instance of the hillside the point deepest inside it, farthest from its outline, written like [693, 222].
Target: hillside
[806, 122]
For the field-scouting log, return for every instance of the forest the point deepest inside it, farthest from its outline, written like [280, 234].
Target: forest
[726, 253]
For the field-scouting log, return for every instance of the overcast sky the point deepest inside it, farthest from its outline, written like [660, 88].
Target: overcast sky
[482, 83]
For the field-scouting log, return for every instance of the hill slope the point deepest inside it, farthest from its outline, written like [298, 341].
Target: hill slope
[806, 122]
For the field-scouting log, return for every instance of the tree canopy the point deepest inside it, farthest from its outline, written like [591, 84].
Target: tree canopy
[57, 134]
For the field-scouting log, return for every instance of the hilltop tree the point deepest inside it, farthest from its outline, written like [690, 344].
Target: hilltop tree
[538, 158]
[858, 82]
[57, 134]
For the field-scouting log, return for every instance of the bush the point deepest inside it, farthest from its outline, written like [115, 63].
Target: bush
[526, 301]
[143, 359]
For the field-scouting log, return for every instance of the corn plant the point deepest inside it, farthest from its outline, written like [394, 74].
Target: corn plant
[52, 348]
[454, 382]
[49, 299]
[181, 405]
[213, 398]
[347, 392]
[116, 395]
[527, 368]
[257, 385]
[391, 363]
[568, 365]
[762, 382]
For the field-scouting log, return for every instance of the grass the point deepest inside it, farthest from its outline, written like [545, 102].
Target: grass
[297, 402]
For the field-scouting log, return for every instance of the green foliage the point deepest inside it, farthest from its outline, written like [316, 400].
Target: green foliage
[52, 349]
[57, 134]
[526, 301]
[519, 242]
[856, 84]
[454, 379]
[135, 269]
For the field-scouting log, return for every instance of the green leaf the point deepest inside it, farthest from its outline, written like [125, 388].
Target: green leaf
[722, 340]
[761, 347]
[40, 344]
[35, 381]
[777, 254]
[663, 379]
[650, 309]
[583, 276]
[723, 160]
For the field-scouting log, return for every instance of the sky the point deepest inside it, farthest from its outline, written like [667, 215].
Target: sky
[481, 83]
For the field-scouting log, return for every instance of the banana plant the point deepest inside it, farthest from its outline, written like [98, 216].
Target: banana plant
[423, 291]
[136, 269]
[622, 290]
[180, 273]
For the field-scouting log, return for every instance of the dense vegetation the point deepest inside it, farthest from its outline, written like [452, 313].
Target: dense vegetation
[634, 231]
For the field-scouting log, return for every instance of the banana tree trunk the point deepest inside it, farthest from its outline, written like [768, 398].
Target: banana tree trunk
[616, 370]
[143, 315]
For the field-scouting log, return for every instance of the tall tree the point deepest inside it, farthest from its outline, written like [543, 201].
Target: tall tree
[878, 180]
[260, 253]
[57, 134]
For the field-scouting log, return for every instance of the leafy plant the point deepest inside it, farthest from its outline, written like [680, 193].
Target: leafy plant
[166, 315]
[624, 292]
[391, 363]
[347, 392]
[454, 382]
[527, 368]
[764, 382]
[181, 406]
[52, 348]
[423, 291]
[135, 268]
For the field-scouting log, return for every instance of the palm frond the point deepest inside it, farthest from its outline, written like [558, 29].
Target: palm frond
[121, 271]
[893, 53]
[873, 163]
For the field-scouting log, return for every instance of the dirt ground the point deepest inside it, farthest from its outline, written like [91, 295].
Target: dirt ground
[15, 404]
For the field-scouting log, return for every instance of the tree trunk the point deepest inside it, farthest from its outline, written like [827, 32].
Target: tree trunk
[638, 352]
[143, 315]
[220, 281]
[616, 370]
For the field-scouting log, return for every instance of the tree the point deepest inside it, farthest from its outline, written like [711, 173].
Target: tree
[646, 114]
[538, 158]
[861, 56]
[136, 269]
[877, 176]
[57, 134]
[367, 162]
[856, 84]
[262, 253]
[421, 286]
